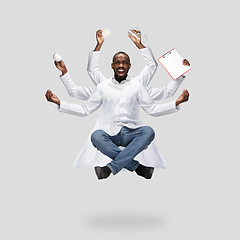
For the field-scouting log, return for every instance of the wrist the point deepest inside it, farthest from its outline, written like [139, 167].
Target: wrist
[140, 45]
[64, 71]
[98, 47]
[57, 102]
[177, 102]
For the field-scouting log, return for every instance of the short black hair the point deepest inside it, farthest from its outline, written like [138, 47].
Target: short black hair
[121, 53]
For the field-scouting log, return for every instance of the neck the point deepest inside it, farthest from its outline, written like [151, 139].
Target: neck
[120, 79]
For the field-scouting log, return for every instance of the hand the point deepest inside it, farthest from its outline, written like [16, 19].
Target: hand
[183, 97]
[61, 66]
[136, 41]
[52, 98]
[100, 40]
[99, 37]
[185, 62]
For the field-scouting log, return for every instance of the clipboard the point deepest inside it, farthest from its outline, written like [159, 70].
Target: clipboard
[172, 63]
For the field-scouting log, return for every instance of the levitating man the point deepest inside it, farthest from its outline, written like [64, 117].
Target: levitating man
[150, 156]
[120, 125]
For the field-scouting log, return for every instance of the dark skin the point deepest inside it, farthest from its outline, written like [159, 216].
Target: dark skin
[121, 66]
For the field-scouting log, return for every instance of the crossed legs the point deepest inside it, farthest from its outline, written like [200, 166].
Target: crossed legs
[134, 141]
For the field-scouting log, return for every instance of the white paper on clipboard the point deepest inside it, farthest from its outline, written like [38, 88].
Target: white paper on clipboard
[172, 63]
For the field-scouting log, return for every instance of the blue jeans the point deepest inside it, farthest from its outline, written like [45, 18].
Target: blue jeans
[134, 141]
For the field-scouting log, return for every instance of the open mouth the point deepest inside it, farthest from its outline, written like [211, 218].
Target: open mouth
[121, 72]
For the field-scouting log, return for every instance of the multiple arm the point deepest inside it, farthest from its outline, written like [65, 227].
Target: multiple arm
[95, 101]
[145, 76]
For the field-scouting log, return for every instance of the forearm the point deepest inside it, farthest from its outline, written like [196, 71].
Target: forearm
[98, 47]
[92, 68]
[140, 45]
[83, 109]
[73, 109]
[64, 71]
[158, 110]
[150, 68]
[173, 86]
[151, 108]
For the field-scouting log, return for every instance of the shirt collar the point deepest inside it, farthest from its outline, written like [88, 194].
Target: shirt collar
[124, 81]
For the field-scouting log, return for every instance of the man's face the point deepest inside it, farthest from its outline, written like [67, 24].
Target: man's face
[121, 65]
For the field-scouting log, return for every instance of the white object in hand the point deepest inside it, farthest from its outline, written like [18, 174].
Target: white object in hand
[139, 36]
[57, 57]
[133, 34]
[106, 33]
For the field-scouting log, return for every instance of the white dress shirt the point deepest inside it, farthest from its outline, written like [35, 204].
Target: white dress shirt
[121, 104]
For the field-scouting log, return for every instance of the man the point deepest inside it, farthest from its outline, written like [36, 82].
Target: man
[120, 123]
[88, 156]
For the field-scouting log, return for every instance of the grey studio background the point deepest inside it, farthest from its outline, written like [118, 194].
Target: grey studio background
[43, 198]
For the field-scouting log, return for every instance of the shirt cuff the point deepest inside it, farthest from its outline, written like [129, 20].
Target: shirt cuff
[146, 49]
[62, 107]
[174, 107]
[65, 77]
[177, 107]
[59, 106]
[92, 52]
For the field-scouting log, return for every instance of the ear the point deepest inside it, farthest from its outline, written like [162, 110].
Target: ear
[112, 65]
[129, 65]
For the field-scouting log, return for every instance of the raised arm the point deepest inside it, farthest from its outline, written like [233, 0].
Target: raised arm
[151, 64]
[150, 68]
[92, 67]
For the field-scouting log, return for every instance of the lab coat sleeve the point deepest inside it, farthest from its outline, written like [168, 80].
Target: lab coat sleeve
[80, 92]
[84, 109]
[92, 68]
[150, 68]
[165, 92]
[153, 109]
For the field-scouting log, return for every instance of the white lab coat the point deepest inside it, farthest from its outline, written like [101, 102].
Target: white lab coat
[89, 156]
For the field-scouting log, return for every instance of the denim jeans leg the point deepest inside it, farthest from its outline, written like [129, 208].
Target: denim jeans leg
[134, 141]
[105, 143]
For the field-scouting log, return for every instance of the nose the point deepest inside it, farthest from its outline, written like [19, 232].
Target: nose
[120, 64]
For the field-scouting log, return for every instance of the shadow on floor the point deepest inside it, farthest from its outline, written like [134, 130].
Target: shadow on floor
[125, 221]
